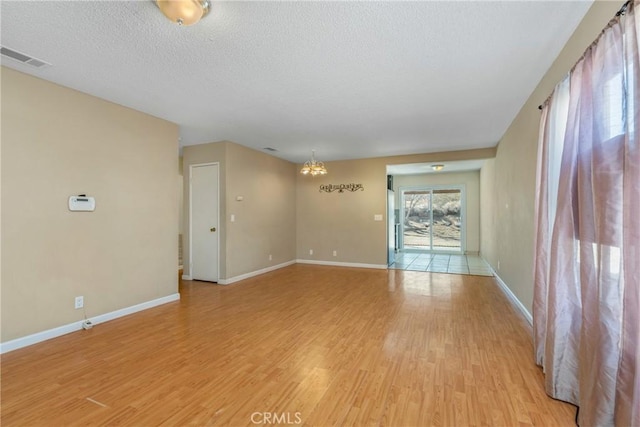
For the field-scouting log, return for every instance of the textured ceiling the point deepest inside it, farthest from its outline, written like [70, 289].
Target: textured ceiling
[350, 79]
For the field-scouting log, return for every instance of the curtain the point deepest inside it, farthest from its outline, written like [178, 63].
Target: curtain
[550, 146]
[587, 256]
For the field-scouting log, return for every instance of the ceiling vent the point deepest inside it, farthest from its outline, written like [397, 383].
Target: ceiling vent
[269, 149]
[21, 57]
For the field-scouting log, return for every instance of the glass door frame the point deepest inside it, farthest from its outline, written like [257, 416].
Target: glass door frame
[463, 217]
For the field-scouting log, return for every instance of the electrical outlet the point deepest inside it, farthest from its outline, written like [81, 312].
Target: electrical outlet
[335, 253]
[310, 251]
[79, 302]
[498, 265]
[270, 257]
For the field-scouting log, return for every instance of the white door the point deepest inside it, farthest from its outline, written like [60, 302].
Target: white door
[391, 228]
[204, 222]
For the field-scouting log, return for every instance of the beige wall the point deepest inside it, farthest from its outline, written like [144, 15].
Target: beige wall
[508, 183]
[264, 219]
[471, 182]
[344, 222]
[57, 142]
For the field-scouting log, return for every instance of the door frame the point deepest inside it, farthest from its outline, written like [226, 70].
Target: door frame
[463, 216]
[195, 165]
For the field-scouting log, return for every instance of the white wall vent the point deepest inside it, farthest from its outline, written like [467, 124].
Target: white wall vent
[21, 57]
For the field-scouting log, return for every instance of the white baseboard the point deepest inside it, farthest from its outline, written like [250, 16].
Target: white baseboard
[514, 299]
[186, 277]
[254, 273]
[342, 264]
[76, 326]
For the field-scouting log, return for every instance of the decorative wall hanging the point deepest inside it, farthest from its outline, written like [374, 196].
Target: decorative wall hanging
[340, 188]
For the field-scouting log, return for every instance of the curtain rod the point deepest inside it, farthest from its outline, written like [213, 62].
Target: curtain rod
[620, 12]
[623, 9]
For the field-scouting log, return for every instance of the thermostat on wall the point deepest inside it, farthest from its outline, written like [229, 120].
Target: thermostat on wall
[82, 203]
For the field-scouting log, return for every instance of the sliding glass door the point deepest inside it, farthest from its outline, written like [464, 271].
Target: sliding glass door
[432, 219]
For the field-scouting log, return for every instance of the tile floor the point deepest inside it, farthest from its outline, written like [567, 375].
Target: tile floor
[442, 263]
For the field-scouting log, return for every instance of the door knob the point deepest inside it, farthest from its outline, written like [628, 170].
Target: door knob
[212, 229]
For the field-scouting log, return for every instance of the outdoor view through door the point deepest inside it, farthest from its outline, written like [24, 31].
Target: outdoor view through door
[432, 219]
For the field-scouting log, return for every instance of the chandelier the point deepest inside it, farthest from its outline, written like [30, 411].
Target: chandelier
[184, 12]
[313, 167]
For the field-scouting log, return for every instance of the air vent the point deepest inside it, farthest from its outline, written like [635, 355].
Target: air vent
[21, 57]
[269, 149]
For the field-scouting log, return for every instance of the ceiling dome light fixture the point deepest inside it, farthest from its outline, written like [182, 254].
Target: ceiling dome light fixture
[437, 168]
[184, 12]
[313, 167]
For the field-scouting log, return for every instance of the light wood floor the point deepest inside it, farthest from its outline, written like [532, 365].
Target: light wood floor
[320, 345]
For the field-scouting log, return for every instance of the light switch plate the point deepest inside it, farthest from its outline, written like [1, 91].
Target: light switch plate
[377, 217]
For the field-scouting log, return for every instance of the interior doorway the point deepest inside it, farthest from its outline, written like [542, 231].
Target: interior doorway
[432, 219]
[203, 222]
